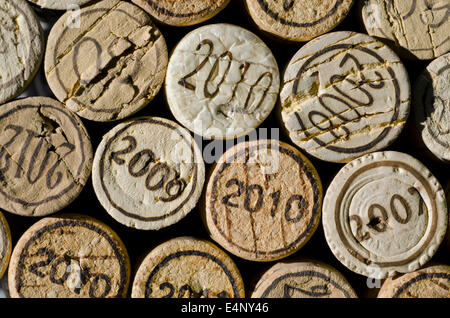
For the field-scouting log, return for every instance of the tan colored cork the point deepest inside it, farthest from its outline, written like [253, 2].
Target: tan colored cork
[45, 156]
[187, 267]
[108, 63]
[182, 12]
[21, 48]
[416, 29]
[429, 282]
[5, 244]
[303, 280]
[69, 257]
[298, 20]
[263, 200]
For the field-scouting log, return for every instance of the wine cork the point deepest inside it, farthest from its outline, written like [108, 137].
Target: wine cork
[263, 200]
[432, 107]
[182, 12]
[384, 213]
[428, 282]
[297, 20]
[21, 48]
[344, 95]
[45, 156]
[303, 280]
[417, 29]
[5, 244]
[148, 173]
[185, 267]
[108, 63]
[60, 4]
[69, 257]
[222, 81]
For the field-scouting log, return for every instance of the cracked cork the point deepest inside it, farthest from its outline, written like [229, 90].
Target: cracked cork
[21, 48]
[69, 256]
[182, 12]
[148, 173]
[384, 213]
[186, 267]
[432, 107]
[45, 156]
[344, 94]
[298, 20]
[418, 29]
[5, 244]
[222, 81]
[263, 200]
[429, 282]
[303, 280]
[108, 64]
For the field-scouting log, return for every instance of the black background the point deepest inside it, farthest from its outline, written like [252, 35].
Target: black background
[139, 242]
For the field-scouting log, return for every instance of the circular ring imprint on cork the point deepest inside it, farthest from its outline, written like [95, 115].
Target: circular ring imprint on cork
[182, 12]
[21, 48]
[187, 267]
[107, 61]
[384, 213]
[69, 257]
[298, 20]
[344, 95]
[303, 280]
[148, 173]
[45, 156]
[417, 29]
[263, 200]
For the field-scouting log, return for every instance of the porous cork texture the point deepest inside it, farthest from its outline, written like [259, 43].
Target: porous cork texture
[182, 12]
[109, 63]
[263, 200]
[187, 267]
[21, 48]
[71, 256]
[46, 156]
[298, 20]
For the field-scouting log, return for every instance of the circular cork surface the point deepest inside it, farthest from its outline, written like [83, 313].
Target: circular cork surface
[21, 48]
[344, 94]
[432, 107]
[384, 213]
[298, 20]
[417, 29]
[107, 62]
[68, 257]
[148, 173]
[428, 282]
[45, 156]
[303, 280]
[5, 244]
[60, 4]
[263, 200]
[182, 12]
[187, 268]
[222, 81]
